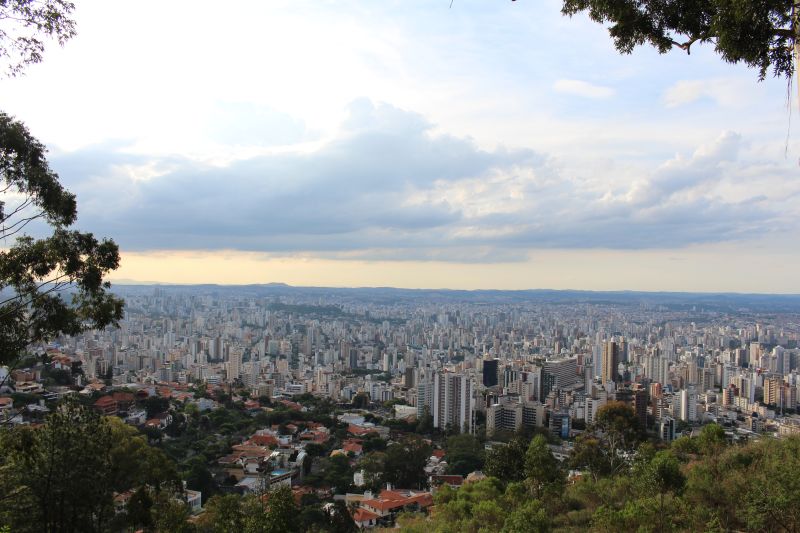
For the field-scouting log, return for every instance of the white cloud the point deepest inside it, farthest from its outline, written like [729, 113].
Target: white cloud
[583, 89]
[389, 187]
[724, 92]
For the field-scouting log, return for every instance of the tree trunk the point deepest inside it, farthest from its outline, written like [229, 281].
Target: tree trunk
[796, 31]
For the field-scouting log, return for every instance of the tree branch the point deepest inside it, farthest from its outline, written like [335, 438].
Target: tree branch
[56, 287]
[28, 201]
[23, 221]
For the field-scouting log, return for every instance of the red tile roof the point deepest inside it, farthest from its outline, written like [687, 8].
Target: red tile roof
[359, 431]
[362, 515]
[105, 401]
[263, 440]
[352, 447]
[122, 396]
[396, 499]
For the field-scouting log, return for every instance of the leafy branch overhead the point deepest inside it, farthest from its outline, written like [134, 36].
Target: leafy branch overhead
[34, 273]
[26, 25]
[758, 33]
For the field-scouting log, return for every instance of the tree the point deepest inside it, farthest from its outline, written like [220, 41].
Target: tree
[171, 515]
[361, 400]
[507, 462]
[405, 463]
[340, 520]
[54, 477]
[282, 513]
[464, 454]
[759, 33]
[373, 465]
[617, 427]
[62, 476]
[712, 439]
[530, 517]
[155, 405]
[133, 463]
[373, 443]
[473, 507]
[138, 509]
[338, 473]
[425, 424]
[659, 476]
[33, 21]
[590, 454]
[37, 273]
[223, 515]
[543, 472]
[199, 477]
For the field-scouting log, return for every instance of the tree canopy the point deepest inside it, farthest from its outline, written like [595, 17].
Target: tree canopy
[759, 33]
[63, 475]
[719, 487]
[52, 285]
[25, 27]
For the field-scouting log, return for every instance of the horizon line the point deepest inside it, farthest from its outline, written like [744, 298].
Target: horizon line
[135, 283]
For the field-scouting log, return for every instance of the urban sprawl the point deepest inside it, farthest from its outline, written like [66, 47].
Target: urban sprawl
[386, 363]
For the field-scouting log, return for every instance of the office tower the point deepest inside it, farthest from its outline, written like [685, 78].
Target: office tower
[558, 373]
[490, 367]
[559, 424]
[622, 350]
[610, 361]
[408, 377]
[597, 359]
[344, 351]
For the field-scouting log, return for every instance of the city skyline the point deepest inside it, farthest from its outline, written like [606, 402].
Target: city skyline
[414, 145]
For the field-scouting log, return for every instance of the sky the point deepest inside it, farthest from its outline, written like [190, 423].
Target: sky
[412, 143]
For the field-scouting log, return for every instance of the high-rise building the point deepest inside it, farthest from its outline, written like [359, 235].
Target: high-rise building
[424, 392]
[511, 416]
[772, 390]
[452, 401]
[591, 407]
[409, 376]
[640, 401]
[234, 365]
[688, 405]
[558, 373]
[667, 429]
[559, 424]
[610, 362]
[490, 372]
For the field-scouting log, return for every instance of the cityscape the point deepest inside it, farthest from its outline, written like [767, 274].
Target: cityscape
[448, 266]
[488, 366]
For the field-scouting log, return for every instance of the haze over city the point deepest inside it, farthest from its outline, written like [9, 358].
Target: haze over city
[414, 144]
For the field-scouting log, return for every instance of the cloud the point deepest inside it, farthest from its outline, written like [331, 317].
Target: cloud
[387, 187]
[583, 89]
[724, 92]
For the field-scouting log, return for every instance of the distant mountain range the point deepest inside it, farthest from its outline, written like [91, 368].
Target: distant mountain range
[708, 301]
